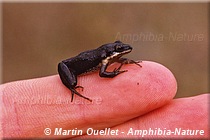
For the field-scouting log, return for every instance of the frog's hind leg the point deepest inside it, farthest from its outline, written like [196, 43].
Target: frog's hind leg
[67, 76]
[69, 79]
[73, 91]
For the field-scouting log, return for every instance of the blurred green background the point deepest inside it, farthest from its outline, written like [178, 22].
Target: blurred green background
[36, 36]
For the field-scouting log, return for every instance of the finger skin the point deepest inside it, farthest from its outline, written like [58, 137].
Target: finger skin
[30, 106]
[185, 114]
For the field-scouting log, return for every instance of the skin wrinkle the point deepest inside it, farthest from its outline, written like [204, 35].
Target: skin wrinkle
[4, 97]
[12, 113]
[16, 117]
[7, 100]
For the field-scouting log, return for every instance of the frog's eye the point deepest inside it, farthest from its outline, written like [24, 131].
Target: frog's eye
[119, 48]
[103, 55]
[118, 41]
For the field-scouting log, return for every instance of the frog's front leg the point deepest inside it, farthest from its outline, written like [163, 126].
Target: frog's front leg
[69, 79]
[128, 61]
[104, 73]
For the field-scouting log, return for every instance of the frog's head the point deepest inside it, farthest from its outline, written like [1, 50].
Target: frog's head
[114, 50]
[121, 48]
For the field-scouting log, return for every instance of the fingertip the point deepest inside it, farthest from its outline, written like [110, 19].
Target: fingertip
[137, 91]
[151, 80]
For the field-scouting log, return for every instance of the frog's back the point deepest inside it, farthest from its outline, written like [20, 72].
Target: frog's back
[84, 62]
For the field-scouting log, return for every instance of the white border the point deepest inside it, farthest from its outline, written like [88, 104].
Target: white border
[99, 1]
[1, 43]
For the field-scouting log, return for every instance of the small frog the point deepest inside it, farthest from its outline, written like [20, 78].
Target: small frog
[87, 61]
